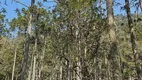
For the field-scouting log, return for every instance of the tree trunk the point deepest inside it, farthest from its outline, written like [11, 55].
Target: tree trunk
[78, 71]
[42, 59]
[61, 72]
[132, 39]
[78, 77]
[30, 70]
[26, 53]
[34, 69]
[113, 42]
[14, 61]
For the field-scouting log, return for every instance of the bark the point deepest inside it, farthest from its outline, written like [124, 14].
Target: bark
[61, 73]
[35, 55]
[34, 69]
[132, 39]
[78, 77]
[108, 69]
[26, 53]
[30, 70]
[78, 71]
[101, 9]
[84, 66]
[42, 60]
[67, 70]
[113, 42]
[14, 62]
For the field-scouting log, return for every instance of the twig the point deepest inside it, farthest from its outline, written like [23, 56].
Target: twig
[20, 3]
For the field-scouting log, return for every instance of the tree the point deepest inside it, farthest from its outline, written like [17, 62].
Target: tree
[74, 40]
[113, 42]
[26, 53]
[132, 39]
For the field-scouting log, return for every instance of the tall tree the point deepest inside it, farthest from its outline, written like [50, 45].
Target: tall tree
[26, 53]
[113, 42]
[133, 41]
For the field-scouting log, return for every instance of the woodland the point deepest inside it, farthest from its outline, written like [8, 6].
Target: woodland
[73, 40]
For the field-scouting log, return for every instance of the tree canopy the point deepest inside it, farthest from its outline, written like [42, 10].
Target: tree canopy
[72, 40]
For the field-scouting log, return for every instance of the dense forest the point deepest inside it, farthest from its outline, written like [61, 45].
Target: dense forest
[72, 40]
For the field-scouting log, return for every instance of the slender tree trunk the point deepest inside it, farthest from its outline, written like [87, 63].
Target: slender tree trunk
[84, 67]
[34, 69]
[78, 72]
[30, 70]
[26, 53]
[132, 39]
[101, 9]
[67, 70]
[113, 49]
[108, 71]
[61, 72]
[42, 59]
[78, 63]
[78, 77]
[35, 56]
[14, 61]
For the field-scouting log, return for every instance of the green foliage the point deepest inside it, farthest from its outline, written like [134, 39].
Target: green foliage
[75, 31]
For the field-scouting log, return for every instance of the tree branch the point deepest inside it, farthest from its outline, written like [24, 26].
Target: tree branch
[17, 1]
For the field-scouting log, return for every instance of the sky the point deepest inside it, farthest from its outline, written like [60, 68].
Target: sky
[118, 10]
[11, 6]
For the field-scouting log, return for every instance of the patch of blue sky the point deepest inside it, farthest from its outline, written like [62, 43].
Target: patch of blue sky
[10, 7]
